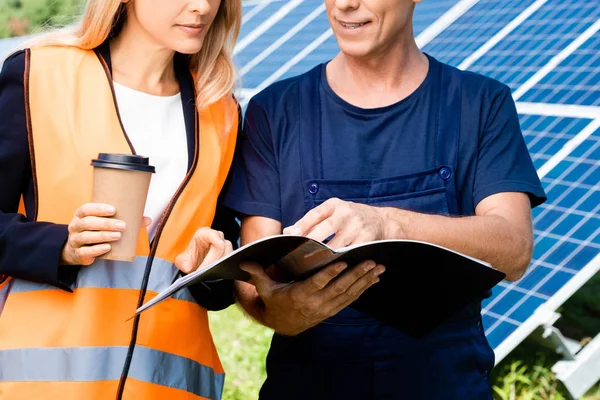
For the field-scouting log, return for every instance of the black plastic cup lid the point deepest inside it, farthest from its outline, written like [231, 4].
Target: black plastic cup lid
[123, 161]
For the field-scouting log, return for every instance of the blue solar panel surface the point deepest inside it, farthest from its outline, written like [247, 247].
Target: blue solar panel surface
[567, 227]
[545, 136]
[530, 46]
[429, 12]
[477, 26]
[574, 81]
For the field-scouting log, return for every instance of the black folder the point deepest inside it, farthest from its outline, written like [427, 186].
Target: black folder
[424, 284]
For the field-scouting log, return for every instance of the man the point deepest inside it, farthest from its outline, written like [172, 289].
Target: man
[382, 142]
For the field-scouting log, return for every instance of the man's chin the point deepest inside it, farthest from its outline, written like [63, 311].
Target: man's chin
[355, 49]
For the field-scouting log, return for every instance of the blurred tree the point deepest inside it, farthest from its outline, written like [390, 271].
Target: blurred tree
[20, 17]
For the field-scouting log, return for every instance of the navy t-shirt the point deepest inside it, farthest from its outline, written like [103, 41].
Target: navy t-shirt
[382, 142]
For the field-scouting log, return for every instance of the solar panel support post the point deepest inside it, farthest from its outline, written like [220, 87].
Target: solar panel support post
[581, 373]
[579, 369]
[551, 337]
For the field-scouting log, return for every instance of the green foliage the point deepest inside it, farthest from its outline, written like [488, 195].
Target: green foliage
[20, 17]
[520, 382]
[526, 375]
[242, 346]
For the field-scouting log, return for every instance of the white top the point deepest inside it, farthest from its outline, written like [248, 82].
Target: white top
[156, 128]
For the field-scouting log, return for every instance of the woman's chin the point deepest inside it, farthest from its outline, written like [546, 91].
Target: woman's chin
[187, 46]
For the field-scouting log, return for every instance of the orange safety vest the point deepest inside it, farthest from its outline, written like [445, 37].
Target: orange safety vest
[60, 345]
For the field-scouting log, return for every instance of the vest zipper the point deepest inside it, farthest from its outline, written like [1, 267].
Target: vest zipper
[159, 229]
[114, 96]
[36, 202]
[153, 248]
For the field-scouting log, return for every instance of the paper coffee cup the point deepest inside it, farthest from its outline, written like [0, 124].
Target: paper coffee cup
[122, 180]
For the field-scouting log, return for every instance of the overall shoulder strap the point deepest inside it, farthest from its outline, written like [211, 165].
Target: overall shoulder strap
[310, 124]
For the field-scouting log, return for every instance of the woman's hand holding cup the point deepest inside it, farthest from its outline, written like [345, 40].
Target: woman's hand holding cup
[206, 247]
[90, 233]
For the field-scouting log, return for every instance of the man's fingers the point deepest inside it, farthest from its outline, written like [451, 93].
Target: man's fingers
[322, 278]
[311, 219]
[263, 283]
[325, 229]
[356, 289]
[341, 284]
[343, 237]
[95, 209]
[146, 222]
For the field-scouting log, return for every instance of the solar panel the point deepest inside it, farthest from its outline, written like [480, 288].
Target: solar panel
[573, 81]
[484, 20]
[567, 227]
[545, 136]
[532, 44]
[548, 52]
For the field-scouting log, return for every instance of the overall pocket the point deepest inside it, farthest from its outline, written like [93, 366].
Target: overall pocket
[424, 192]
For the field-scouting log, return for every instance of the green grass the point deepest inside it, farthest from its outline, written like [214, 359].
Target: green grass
[524, 375]
[243, 346]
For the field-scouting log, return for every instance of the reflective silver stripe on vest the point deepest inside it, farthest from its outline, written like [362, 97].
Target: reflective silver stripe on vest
[106, 363]
[117, 275]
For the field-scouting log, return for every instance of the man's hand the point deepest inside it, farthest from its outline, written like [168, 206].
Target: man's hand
[290, 309]
[206, 247]
[351, 223]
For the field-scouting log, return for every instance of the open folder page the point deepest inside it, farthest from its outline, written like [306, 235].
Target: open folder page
[422, 286]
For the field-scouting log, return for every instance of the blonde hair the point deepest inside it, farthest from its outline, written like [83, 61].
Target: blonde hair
[212, 65]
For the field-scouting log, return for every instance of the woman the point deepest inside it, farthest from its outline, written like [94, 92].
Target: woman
[149, 77]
